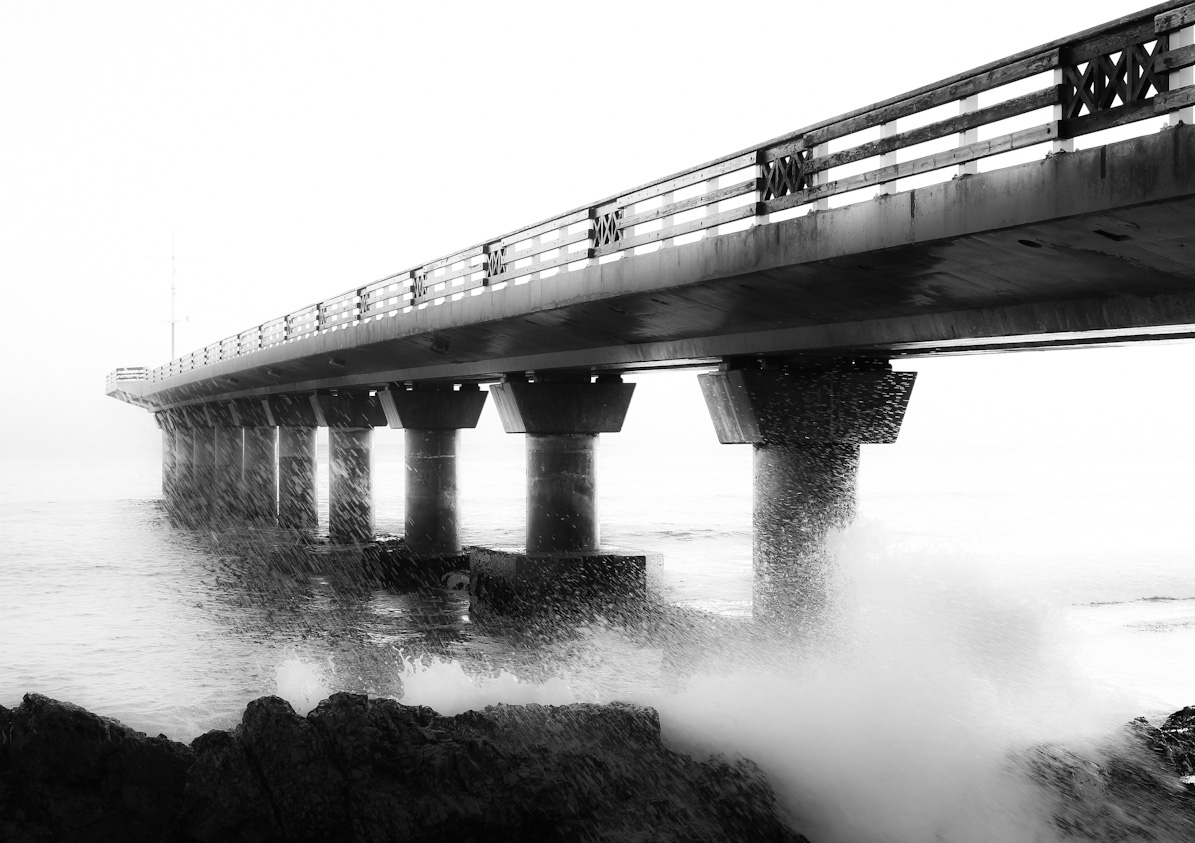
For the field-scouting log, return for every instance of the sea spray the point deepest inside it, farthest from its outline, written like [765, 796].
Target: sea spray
[910, 719]
[444, 686]
[303, 683]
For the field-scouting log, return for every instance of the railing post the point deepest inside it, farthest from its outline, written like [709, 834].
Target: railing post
[1060, 144]
[887, 159]
[1184, 37]
[711, 210]
[820, 177]
[536, 242]
[965, 106]
[667, 199]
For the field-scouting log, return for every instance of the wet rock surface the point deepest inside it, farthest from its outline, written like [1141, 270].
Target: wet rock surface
[358, 769]
[1128, 789]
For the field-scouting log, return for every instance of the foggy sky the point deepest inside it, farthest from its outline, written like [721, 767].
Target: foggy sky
[295, 150]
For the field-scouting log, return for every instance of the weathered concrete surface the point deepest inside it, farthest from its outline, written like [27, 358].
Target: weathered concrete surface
[296, 478]
[1087, 246]
[350, 487]
[432, 521]
[229, 463]
[610, 582]
[562, 416]
[805, 426]
[373, 770]
[432, 417]
[562, 505]
[259, 480]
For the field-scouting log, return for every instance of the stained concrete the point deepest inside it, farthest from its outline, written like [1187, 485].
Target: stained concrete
[805, 420]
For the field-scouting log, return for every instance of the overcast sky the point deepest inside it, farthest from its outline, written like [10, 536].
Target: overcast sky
[297, 149]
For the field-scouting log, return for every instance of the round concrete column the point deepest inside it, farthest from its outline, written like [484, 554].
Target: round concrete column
[296, 478]
[229, 457]
[169, 465]
[182, 494]
[259, 478]
[203, 474]
[562, 492]
[350, 497]
[432, 524]
[801, 493]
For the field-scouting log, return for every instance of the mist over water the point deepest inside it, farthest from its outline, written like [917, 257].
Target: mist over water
[987, 604]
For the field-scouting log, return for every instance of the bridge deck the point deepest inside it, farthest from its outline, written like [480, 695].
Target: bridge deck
[1096, 245]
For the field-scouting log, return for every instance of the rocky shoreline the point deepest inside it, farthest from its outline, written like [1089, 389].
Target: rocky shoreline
[360, 769]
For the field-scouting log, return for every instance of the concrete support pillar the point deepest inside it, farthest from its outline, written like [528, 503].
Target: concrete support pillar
[296, 421]
[259, 477]
[203, 474]
[296, 478]
[169, 456]
[801, 492]
[562, 512]
[433, 416]
[350, 495]
[349, 417]
[258, 489]
[181, 501]
[229, 458]
[432, 524]
[562, 416]
[806, 421]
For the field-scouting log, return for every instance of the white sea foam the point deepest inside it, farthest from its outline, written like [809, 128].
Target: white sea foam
[903, 725]
[302, 683]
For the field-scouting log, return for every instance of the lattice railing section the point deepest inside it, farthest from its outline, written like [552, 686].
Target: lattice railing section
[1124, 71]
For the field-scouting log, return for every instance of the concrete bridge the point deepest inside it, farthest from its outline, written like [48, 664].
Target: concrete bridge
[957, 217]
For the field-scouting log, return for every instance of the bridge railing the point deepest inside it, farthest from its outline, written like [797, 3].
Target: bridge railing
[1128, 70]
[120, 376]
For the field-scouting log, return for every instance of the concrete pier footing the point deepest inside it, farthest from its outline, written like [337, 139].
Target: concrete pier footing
[805, 421]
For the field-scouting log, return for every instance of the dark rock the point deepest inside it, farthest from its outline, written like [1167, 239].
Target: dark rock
[67, 774]
[1125, 790]
[366, 770]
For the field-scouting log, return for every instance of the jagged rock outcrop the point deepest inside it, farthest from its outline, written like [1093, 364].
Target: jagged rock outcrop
[357, 769]
[1128, 789]
[1174, 740]
[68, 774]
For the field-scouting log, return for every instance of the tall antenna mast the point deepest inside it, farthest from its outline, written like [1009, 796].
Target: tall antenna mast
[173, 320]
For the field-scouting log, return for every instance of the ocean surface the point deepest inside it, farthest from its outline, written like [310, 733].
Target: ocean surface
[990, 598]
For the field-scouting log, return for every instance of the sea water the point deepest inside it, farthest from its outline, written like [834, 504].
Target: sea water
[989, 600]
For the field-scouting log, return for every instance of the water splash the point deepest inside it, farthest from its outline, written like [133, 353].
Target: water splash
[444, 686]
[303, 683]
[909, 720]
